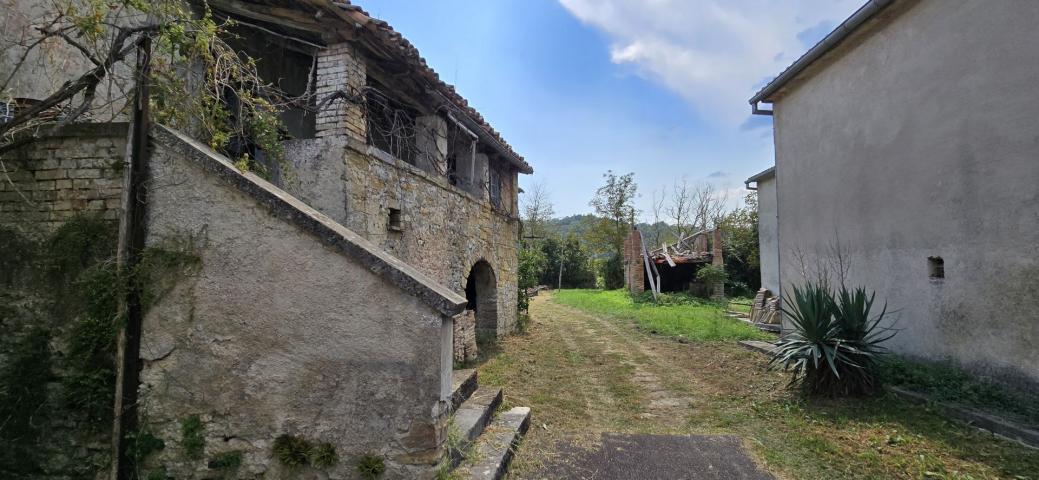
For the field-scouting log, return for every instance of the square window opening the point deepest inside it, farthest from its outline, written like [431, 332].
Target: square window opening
[935, 267]
[394, 221]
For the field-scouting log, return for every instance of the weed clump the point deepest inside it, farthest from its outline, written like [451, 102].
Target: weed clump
[371, 466]
[192, 437]
[227, 463]
[323, 455]
[291, 451]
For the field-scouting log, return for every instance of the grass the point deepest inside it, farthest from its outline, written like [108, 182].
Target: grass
[676, 315]
[945, 383]
[740, 304]
[587, 374]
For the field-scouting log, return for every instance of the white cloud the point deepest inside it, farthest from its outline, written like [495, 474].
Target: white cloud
[715, 53]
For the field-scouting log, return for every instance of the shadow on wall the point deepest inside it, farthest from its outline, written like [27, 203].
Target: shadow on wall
[481, 291]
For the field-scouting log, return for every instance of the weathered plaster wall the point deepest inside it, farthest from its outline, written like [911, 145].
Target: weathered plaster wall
[919, 142]
[76, 170]
[768, 230]
[445, 230]
[280, 334]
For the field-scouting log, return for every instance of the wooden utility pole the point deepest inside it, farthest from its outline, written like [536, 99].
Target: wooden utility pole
[131, 242]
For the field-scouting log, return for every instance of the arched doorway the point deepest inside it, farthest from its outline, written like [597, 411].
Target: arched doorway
[481, 290]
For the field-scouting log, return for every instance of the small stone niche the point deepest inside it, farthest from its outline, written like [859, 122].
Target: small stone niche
[935, 268]
[395, 221]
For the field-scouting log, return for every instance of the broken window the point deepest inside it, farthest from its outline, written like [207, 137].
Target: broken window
[289, 68]
[391, 122]
[935, 267]
[461, 151]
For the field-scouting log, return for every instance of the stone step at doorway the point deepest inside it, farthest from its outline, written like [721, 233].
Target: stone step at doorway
[482, 440]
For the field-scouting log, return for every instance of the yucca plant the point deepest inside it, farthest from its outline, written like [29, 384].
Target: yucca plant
[835, 344]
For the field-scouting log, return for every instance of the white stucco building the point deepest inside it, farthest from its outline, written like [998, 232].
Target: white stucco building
[907, 140]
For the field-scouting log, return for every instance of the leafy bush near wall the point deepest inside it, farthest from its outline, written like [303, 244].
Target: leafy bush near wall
[710, 274]
[835, 347]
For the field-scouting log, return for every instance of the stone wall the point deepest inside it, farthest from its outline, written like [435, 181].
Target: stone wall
[464, 337]
[444, 229]
[59, 202]
[77, 170]
[292, 325]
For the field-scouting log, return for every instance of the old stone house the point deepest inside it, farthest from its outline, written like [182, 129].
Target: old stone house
[324, 308]
[905, 146]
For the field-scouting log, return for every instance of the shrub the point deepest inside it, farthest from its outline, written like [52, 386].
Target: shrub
[710, 274]
[613, 272]
[835, 345]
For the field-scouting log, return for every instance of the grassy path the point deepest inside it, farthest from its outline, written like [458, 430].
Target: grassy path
[584, 374]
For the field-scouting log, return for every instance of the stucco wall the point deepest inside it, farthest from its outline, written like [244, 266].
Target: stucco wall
[920, 142]
[445, 229]
[768, 241]
[279, 334]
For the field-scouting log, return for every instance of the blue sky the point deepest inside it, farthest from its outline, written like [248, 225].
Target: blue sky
[654, 87]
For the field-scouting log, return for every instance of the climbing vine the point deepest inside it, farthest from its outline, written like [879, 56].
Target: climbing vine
[198, 82]
[59, 309]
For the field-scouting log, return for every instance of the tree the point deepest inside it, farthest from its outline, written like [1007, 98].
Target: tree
[742, 257]
[537, 211]
[614, 205]
[193, 72]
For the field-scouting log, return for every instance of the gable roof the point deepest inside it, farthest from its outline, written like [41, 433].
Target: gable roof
[861, 16]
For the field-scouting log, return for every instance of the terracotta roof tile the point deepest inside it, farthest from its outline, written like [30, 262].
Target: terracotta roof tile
[393, 40]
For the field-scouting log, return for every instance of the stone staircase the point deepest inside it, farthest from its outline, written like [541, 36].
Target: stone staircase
[482, 440]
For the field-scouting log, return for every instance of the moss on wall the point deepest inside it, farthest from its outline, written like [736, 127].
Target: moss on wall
[59, 311]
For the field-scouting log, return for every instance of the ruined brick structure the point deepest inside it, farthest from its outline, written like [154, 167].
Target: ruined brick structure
[673, 268]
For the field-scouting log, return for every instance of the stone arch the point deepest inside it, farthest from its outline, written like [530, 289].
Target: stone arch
[481, 292]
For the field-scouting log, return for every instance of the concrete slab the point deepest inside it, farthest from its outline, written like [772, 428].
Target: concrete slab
[496, 446]
[658, 457]
[758, 346]
[474, 414]
[463, 384]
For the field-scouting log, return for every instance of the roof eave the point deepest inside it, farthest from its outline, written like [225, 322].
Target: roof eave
[828, 43]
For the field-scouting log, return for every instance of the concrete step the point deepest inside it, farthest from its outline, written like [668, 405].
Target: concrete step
[758, 346]
[472, 415]
[765, 327]
[463, 384]
[494, 450]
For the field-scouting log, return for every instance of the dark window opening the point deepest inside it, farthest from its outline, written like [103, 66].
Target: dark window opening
[390, 122]
[289, 71]
[935, 267]
[395, 223]
[494, 187]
